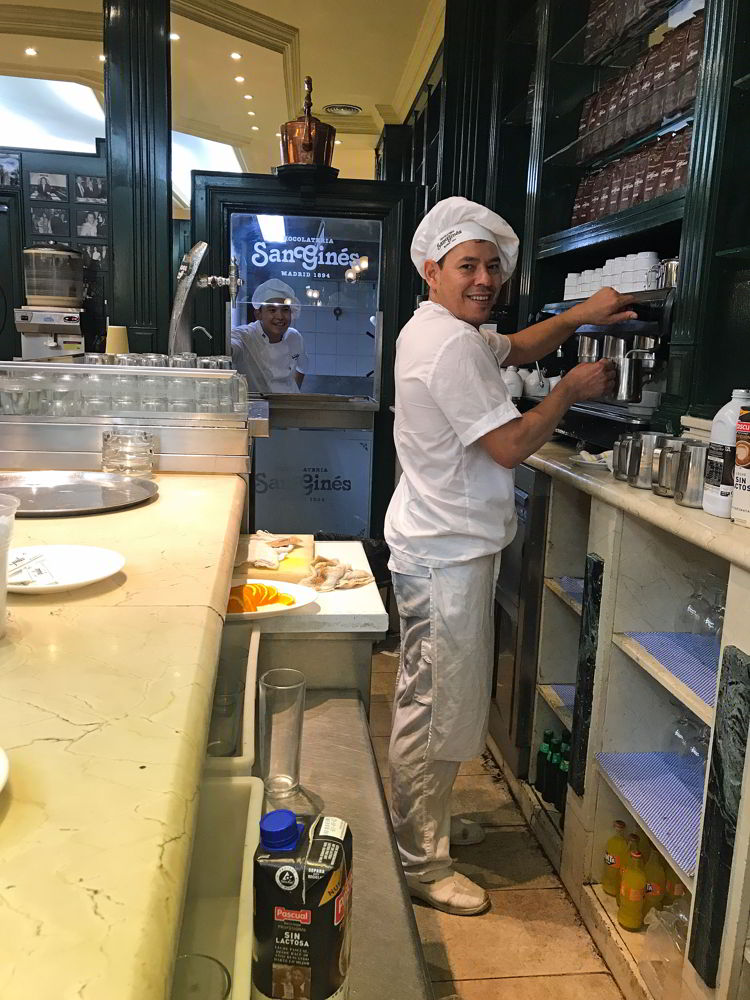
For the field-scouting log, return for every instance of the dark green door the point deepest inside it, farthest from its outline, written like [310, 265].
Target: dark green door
[11, 282]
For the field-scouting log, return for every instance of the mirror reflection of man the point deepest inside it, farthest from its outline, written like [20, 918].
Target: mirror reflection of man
[269, 350]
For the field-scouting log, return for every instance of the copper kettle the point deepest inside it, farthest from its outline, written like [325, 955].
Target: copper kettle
[307, 139]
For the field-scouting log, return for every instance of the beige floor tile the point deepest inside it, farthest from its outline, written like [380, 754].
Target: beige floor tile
[526, 929]
[508, 858]
[485, 800]
[596, 986]
[384, 663]
[380, 719]
[383, 683]
[484, 764]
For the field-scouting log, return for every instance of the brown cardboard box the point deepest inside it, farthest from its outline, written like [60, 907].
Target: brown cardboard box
[653, 170]
[628, 179]
[634, 95]
[603, 205]
[614, 131]
[677, 43]
[668, 163]
[654, 111]
[639, 179]
[682, 164]
[688, 84]
[617, 168]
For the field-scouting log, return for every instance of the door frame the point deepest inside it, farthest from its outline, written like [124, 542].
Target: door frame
[10, 200]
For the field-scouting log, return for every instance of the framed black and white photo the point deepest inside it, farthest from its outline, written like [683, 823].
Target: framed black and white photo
[91, 222]
[48, 187]
[95, 253]
[90, 188]
[10, 169]
[49, 221]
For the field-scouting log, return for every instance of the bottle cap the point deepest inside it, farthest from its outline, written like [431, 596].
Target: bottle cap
[279, 830]
[635, 853]
[619, 825]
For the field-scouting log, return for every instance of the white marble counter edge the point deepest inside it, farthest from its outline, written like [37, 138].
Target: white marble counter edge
[717, 535]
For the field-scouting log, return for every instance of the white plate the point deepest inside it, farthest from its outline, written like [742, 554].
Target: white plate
[4, 769]
[302, 595]
[72, 566]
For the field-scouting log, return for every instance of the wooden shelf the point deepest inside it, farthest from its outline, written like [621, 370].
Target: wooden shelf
[664, 793]
[560, 701]
[679, 688]
[559, 590]
[641, 218]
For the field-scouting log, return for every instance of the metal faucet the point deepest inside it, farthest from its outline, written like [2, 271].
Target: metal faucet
[234, 282]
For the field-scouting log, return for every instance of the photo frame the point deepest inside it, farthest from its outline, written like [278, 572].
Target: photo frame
[90, 188]
[45, 185]
[10, 170]
[92, 222]
[96, 254]
[47, 220]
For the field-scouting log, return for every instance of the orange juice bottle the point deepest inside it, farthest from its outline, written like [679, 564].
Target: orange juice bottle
[656, 883]
[633, 845]
[614, 854]
[673, 887]
[632, 892]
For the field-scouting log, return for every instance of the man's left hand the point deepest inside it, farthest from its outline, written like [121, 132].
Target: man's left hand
[603, 308]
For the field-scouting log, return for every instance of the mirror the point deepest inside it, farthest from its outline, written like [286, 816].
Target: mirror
[306, 319]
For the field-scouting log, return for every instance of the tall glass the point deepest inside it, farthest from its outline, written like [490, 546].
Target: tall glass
[282, 706]
[200, 977]
[8, 508]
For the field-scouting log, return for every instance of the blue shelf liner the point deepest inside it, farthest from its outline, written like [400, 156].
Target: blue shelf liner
[692, 659]
[566, 693]
[665, 791]
[573, 587]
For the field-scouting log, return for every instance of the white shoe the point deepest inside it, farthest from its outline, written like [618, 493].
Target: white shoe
[450, 892]
[465, 832]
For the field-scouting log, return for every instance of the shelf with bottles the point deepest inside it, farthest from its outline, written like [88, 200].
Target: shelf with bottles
[548, 771]
[560, 698]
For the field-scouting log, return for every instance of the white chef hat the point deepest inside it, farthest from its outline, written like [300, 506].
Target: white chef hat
[275, 289]
[455, 220]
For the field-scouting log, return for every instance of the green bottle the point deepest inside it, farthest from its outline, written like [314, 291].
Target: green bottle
[550, 774]
[541, 760]
[561, 792]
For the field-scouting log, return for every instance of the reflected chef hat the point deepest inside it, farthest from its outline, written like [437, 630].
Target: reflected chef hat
[275, 289]
[456, 220]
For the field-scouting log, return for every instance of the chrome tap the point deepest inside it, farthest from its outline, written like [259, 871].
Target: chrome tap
[233, 282]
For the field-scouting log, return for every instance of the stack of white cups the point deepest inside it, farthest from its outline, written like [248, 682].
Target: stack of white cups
[633, 273]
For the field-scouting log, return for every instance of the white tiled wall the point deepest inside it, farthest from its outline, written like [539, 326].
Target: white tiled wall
[343, 346]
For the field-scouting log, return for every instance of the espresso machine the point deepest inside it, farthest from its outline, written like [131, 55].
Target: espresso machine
[639, 350]
[50, 322]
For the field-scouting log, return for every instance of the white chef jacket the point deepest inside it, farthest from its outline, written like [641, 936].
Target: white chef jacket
[453, 502]
[268, 367]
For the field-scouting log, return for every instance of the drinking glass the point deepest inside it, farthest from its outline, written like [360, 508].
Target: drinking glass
[226, 397]
[8, 508]
[225, 717]
[713, 620]
[177, 361]
[97, 400]
[206, 362]
[691, 616]
[128, 452]
[224, 361]
[125, 393]
[64, 401]
[19, 398]
[207, 395]
[181, 394]
[155, 360]
[153, 394]
[200, 977]
[684, 732]
[239, 393]
[282, 705]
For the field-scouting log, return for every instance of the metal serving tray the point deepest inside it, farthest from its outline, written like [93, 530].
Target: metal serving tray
[65, 494]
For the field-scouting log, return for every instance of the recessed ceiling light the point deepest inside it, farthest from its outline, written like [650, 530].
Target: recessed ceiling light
[338, 142]
[248, 97]
[251, 113]
[239, 79]
[234, 55]
[173, 36]
[342, 109]
[31, 52]
[102, 58]
[254, 128]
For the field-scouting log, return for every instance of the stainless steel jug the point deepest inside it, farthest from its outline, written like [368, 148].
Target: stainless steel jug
[642, 458]
[670, 442]
[620, 466]
[668, 464]
[588, 349]
[688, 491]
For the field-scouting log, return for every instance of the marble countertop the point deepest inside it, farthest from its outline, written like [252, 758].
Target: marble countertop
[715, 534]
[105, 695]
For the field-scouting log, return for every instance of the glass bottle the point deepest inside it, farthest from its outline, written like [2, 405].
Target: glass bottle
[541, 759]
[630, 910]
[614, 854]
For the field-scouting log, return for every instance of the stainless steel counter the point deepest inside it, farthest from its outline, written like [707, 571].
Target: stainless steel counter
[338, 764]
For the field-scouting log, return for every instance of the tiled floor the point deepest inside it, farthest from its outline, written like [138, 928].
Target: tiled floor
[531, 945]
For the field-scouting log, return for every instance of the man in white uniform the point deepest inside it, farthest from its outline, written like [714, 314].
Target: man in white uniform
[269, 350]
[458, 437]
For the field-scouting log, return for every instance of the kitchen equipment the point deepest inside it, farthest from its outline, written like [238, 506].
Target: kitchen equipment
[628, 380]
[8, 510]
[535, 384]
[666, 473]
[670, 442]
[281, 709]
[292, 569]
[180, 340]
[688, 490]
[646, 346]
[64, 494]
[588, 349]
[614, 347]
[307, 139]
[518, 598]
[513, 381]
[50, 322]
[670, 272]
[620, 465]
[641, 460]
[52, 569]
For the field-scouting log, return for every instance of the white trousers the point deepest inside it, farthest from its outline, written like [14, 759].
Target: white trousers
[442, 700]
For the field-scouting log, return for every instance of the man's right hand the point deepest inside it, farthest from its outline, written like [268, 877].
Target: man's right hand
[590, 380]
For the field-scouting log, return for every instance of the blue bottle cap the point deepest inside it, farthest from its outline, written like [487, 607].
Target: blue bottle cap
[279, 830]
